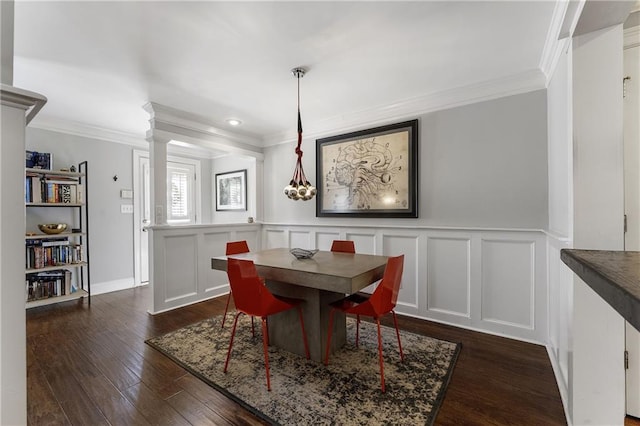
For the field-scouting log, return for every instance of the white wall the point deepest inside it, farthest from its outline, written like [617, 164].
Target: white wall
[560, 277]
[13, 356]
[598, 380]
[254, 186]
[480, 165]
[13, 366]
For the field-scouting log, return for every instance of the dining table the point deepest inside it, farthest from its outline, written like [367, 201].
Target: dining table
[318, 281]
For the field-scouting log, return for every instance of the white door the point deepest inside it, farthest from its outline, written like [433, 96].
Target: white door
[183, 203]
[141, 217]
[632, 208]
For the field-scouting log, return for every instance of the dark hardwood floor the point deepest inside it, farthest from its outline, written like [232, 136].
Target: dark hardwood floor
[90, 366]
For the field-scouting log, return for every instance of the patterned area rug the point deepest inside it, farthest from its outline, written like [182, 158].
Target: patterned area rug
[306, 392]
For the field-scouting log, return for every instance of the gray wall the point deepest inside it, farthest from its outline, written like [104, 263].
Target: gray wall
[111, 232]
[111, 239]
[481, 165]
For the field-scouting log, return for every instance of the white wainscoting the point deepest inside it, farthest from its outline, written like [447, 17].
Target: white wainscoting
[560, 337]
[493, 281]
[180, 262]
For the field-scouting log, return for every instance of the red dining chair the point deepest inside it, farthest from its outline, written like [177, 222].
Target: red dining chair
[233, 247]
[343, 246]
[253, 298]
[380, 302]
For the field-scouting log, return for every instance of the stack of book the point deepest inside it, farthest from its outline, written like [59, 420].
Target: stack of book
[39, 189]
[51, 252]
[47, 284]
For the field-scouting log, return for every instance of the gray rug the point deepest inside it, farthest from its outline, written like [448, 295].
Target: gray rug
[306, 392]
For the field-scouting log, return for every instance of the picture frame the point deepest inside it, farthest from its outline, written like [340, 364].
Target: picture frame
[38, 160]
[231, 191]
[369, 173]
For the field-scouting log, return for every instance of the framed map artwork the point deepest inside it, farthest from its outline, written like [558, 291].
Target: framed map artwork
[369, 173]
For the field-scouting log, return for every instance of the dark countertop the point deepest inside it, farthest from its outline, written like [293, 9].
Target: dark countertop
[614, 275]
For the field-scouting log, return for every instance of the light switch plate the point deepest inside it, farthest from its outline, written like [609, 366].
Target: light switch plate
[126, 208]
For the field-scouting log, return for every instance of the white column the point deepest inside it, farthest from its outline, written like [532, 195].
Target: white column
[158, 162]
[598, 378]
[13, 356]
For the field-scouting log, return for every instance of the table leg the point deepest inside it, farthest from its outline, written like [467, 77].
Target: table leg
[284, 328]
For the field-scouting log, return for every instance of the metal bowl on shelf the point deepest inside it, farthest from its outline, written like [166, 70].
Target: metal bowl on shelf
[52, 228]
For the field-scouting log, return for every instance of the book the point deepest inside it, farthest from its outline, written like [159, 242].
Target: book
[80, 193]
[35, 189]
[55, 242]
[65, 194]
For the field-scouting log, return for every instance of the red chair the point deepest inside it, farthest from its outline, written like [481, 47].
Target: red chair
[343, 246]
[254, 299]
[233, 247]
[380, 302]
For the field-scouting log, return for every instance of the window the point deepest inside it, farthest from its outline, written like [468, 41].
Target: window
[180, 196]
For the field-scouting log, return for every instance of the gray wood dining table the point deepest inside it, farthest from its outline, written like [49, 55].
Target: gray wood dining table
[320, 280]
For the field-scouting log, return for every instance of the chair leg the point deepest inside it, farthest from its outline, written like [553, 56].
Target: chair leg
[304, 333]
[326, 355]
[357, 329]
[380, 356]
[265, 347]
[226, 308]
[395, 322]
[233, 333]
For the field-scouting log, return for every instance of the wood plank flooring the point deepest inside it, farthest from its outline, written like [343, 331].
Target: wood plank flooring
[89, 365]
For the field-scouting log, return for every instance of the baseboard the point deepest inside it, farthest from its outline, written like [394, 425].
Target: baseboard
[109, 286]
[562, 386]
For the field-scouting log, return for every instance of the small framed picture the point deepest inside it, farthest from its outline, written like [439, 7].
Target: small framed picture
[231, 190]
[38, 160]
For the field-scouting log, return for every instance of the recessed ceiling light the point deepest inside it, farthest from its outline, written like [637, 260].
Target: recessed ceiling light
[234, 121]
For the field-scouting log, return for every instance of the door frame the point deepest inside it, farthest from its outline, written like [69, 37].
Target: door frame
[137, 203]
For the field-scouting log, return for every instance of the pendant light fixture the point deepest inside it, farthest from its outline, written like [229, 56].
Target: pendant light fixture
[299, 188]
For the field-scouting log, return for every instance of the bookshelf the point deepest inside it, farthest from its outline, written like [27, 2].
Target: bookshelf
[56, 265]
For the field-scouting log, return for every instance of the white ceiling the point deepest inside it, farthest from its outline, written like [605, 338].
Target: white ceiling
[98, 63]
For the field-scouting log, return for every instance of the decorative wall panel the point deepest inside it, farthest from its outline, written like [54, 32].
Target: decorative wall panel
[300, 239]
[394, 244]
[324, 239]
[180, 266]
[489, 280]
[275, 238]
[449, 275]
[365, 242]
[508, 282]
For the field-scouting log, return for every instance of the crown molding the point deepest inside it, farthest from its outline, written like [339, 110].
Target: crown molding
[195, 123]
[555, 42]
[631, 37]
[483, 91]
[15, 97]
[173, 123]
[92, 132]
